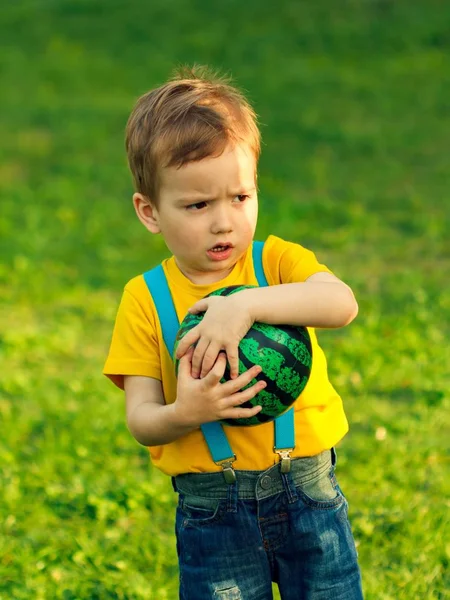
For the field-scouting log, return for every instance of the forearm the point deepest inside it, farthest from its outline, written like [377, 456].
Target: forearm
[157, 424]
[310, 304]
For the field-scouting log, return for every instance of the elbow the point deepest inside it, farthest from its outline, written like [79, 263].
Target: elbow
[350, 309]
[137, 427]
[138, 434]
[345, 310]
[351, 315]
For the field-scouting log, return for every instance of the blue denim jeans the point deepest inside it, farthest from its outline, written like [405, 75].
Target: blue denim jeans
[234, 540]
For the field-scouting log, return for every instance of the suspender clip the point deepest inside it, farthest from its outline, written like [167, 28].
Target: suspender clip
[285, 459]
[227, 469]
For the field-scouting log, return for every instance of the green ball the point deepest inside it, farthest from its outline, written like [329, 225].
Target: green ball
[284, 353]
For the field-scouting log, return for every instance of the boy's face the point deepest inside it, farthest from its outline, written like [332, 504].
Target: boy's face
[207, 212]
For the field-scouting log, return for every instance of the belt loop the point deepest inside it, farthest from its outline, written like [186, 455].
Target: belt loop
[333, 457]
[289, 486]
[232, 497]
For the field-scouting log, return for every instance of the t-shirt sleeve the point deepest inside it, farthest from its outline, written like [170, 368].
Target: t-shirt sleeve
[288, 262]
[134, 346]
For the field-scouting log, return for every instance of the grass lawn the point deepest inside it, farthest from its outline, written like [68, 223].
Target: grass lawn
[353, 98]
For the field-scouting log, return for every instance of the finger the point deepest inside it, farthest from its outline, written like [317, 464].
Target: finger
[245, 395]
[242, 413]
[233, 360]
[189, 339]
[234, 385]
[218, 370]
[200, 306]
[184, 365]
[209, 358]
[197, 358]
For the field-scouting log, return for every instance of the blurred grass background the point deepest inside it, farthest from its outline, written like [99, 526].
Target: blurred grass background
[353, 98]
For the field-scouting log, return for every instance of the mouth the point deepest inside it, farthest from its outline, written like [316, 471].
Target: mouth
[220, 247]
[221, 251]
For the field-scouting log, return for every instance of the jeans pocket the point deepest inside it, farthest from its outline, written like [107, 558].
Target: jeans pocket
[196, 510]
[321, 491]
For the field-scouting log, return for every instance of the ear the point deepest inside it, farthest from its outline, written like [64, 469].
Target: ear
[147, 213]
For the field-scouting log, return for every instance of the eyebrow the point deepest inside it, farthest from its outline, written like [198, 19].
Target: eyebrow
[206, 197]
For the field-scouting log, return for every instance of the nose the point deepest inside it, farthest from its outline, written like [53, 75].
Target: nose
[221, 219]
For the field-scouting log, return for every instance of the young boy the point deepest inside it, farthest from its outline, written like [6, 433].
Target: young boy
[262, 513]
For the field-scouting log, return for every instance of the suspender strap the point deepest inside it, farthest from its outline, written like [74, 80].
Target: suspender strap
[214, 434]
[220, 449]
[157, 284]
[285, 439]
[257, 252]
[284, 431]
[284, 424]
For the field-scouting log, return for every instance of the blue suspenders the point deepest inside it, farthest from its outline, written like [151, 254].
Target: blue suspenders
[214, 434]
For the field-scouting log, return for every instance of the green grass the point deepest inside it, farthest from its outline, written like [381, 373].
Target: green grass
[353, 101]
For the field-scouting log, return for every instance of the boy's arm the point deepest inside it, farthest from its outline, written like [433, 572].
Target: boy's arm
[154, 423]
[322, 300]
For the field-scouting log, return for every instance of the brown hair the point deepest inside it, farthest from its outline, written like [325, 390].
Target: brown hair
[194, 115]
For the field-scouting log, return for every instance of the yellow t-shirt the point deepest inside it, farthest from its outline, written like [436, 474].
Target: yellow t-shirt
[137, 348]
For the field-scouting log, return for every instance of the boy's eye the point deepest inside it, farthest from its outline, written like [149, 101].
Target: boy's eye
[196, 206]
[199, 205]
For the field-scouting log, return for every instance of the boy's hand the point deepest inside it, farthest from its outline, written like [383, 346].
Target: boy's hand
[226, 321]
[203, 400]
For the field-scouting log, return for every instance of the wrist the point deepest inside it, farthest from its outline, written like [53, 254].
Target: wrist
[182, 418]
[247, 301]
